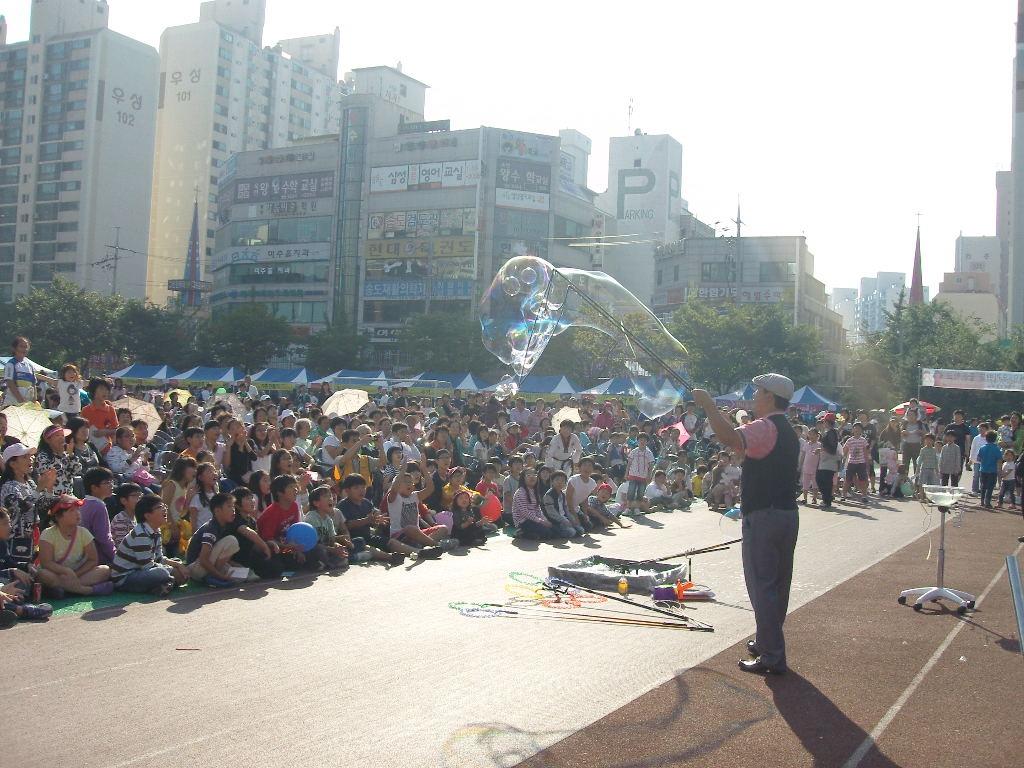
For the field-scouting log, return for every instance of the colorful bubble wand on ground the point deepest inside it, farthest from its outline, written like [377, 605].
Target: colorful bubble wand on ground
[534, 598]
[692, 624]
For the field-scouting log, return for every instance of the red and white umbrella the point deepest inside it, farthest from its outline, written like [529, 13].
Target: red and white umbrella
[929, 408]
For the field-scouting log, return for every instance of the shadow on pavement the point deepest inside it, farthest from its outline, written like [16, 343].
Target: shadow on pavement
[824, 730]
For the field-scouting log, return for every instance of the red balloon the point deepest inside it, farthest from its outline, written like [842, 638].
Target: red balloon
[490, 510]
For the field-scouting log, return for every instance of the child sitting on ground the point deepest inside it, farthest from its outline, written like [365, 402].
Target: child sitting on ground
[276, 519]
[599, 508]
[697, 481]
[658, 493]
[356, 513]
[896, 485]
[467, 525]
[214, 544]
[16, 584]
[402, 502]
[331, 549]
[678, 485]
[556, 508]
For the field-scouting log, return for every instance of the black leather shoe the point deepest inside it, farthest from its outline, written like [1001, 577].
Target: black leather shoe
[752, 648]
[759, 667]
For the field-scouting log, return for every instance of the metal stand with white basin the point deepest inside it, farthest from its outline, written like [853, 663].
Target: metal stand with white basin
[944, 498]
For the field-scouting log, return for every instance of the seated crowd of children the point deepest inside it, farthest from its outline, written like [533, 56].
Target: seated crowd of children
[101, 505]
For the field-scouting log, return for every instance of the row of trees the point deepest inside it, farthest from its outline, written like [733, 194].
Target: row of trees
[887, 367]
[69, 324]
[724, 345]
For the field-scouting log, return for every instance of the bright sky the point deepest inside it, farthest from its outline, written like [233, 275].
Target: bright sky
[840, 121]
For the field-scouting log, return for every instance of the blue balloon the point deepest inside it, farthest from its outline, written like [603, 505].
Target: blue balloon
[302, 535]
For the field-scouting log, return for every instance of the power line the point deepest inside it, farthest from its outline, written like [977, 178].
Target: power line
[111, 260]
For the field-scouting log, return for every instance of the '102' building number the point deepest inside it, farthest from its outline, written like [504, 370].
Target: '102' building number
[134, 101]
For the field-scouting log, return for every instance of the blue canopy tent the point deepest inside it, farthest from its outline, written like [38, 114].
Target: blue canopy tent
[451, 378]
[617, 386]
[204, 373]
[745, 395]
[807, 399]
[291, 377]
[363, 378]
[547, 385]
[140, 372]
[470, 383]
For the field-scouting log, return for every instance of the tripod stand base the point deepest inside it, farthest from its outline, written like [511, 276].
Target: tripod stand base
[962, 600]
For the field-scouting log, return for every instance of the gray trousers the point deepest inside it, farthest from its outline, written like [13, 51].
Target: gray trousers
[769, 538]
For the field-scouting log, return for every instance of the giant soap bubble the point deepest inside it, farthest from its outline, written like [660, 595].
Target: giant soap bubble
[530, 302]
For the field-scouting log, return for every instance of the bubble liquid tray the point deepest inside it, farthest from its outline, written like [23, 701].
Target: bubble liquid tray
[604, 573]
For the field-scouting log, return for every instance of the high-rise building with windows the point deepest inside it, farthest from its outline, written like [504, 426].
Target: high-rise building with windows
[1014, 294]
[77, 125]
[221, 92]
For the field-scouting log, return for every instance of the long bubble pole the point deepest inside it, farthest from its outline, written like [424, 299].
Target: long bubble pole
[697, 551]
[630, 336]
[699, 626]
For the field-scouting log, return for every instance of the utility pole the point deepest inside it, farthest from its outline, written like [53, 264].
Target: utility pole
[110, 261]
[738, 221]
[117, 254]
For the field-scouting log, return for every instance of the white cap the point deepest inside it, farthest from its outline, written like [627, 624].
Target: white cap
[15, 450]
[775, 383]
[286, 414]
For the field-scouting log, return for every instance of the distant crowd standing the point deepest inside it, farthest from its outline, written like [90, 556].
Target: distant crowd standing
[105, 501]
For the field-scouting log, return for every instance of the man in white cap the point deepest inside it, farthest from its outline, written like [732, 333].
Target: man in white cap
[768, 502]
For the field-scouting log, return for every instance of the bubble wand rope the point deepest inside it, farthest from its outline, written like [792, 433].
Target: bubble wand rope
[697, 551]
[698, 626]
[630, 336]
[493, 611]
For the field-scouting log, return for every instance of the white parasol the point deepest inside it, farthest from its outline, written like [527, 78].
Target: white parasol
[345, 402]
[141, 410]
[26, 422]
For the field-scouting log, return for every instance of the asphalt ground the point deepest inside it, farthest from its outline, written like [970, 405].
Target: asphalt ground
[373, 667]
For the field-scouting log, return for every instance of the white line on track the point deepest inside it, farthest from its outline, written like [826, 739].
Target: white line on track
[894, 710]
[69, 678]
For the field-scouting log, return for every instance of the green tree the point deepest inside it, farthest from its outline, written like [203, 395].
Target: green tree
[447, 343]
[730, 344]
[587, 354]
[248, 336]
[151, 334]
[65, 323]
[933, 336]
[337, 346]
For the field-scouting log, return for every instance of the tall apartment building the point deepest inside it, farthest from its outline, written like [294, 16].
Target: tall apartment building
[77, 126]
[878, 295]
[221, 92]
[980, 254]
[844, 301]
[1015, 255]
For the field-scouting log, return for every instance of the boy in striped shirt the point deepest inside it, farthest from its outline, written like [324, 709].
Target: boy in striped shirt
[139, 563]
[856, 451]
